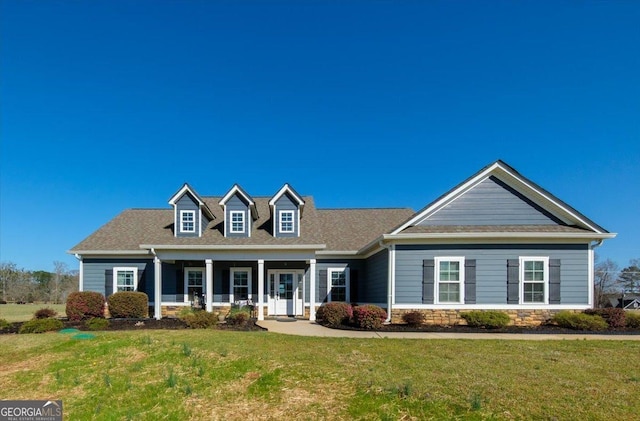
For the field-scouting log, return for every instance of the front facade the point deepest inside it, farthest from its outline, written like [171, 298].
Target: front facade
[495, 242]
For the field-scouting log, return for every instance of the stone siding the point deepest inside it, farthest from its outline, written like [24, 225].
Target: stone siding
[453, 317]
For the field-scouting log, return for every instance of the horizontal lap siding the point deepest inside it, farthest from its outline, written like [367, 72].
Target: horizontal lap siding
[491, 269]
[94, 272]
[374, 288]
[322, 284]
[286, 203]
[186, 202]
[235, 203]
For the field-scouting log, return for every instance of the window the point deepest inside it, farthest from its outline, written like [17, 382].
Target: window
[125, 279]
[449, 279]
[237, 221]
[194, 285]
[286, 221]
[188, 221]
[534, 277]
[240, 284]
[338, 284]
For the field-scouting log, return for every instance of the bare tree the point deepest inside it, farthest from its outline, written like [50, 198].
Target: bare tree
[60, 271]
[606, 280]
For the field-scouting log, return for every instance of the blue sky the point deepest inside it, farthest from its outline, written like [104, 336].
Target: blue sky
[108, 105]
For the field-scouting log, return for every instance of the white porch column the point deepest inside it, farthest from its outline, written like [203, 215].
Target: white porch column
[80, 275]
[312, 290]
[157, 277]
[261, 289]
[209, 286]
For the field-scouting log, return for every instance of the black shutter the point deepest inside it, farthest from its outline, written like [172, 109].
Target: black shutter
[141, 281]
[513, 281]
[322, 286]
[554, 281]
[428, 276]
[470, 281]
[353, 285]
[108, 282]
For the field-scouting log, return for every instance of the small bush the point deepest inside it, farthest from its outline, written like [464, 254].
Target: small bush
[580, 321]
[369, 317]
[238, 318]
[3, 324]
[615, 317]
[128, 305]
[486, 319]
[3, 302]
[85, 305]
[200, 319]
[413, 318]
[97, 323]
[40, 326]
[334, 314]
[633, 320]
[45, 313]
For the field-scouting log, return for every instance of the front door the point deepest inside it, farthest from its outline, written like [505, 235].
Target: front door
[285, 292]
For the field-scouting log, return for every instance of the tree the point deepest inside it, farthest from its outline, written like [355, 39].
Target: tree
[630, 277]
[605, 278]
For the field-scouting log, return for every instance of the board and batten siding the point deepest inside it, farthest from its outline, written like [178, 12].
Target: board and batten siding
[236, 203]
[491, 202]
[98, 274]
[491, 269]
[286, 203]
[186, 202]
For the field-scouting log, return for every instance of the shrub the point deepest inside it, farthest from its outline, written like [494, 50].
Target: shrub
[40, 326]
[413, 318]
[486, 319]
[45, 313]
[580, 321]
[633, 320]
[3, 302]
[128, 304]
[97, 323]
[200, 319]
[369, 317]
[84, 305]
[240, 318]
[3, 324]
[615, 317]
[334, 314]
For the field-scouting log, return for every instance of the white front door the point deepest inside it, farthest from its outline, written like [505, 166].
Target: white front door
[285, 290]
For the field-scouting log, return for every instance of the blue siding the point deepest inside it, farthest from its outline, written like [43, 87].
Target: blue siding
[286, 202]
[236, 203]
[491, 269]
[187, 202]
[491, 203]
[98, 274]
[375, 283]
[357, 280]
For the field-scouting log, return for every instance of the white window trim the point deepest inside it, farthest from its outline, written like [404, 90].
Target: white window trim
[186, 281]
[545, 282]
[232, 271]
[347, 282]
[293, 226]
[231, 230]
[436, 278]
[123, 269]
[182, 214]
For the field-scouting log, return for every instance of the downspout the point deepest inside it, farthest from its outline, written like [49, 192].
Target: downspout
[592, 268]
[389, 282]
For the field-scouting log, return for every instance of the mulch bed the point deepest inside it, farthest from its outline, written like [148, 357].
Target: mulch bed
[542, 329]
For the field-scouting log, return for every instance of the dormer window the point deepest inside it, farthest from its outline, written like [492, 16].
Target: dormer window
[286, 221]
[237, 222]
[187, 221]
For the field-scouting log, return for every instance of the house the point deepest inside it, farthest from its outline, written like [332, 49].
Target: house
[631, 302]
[497, 241]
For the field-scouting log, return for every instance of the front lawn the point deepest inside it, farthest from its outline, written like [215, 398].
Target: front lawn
[22, 312]
[208, 374]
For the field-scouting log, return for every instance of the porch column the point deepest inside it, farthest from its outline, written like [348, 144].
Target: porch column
[157, 277]
[312, 290]
[209, 286]
[80, 275]
[261, 289]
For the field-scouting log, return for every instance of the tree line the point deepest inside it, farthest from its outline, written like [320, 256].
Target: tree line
[23, 286]
[613, 282]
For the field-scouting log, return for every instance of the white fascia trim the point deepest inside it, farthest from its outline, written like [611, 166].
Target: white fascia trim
[491, 307]
[181, 193]
[500, 235]
[282, 191]
[235, 189]
[110, 253]
[234, 247]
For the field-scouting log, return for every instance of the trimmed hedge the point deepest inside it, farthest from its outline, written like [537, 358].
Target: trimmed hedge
[41, 326]
[128, 305]
[486, 319]
[369, 317]
[83, 305]
[615, 317]
[334, 314]
[633, 320]
[580, 321]
[413, 318]
[199, 319]
[45, 313]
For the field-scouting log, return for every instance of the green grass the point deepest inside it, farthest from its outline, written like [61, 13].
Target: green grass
[23, 312]
[208, 374]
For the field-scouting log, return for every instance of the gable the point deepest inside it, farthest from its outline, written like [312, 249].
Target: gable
[490, 202]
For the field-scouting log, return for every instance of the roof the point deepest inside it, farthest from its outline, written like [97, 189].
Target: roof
[338, 229]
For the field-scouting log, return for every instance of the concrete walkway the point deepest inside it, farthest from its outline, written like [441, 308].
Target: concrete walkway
[307, 328]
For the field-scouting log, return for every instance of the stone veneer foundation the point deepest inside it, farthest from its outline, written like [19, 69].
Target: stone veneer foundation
[454, 317]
